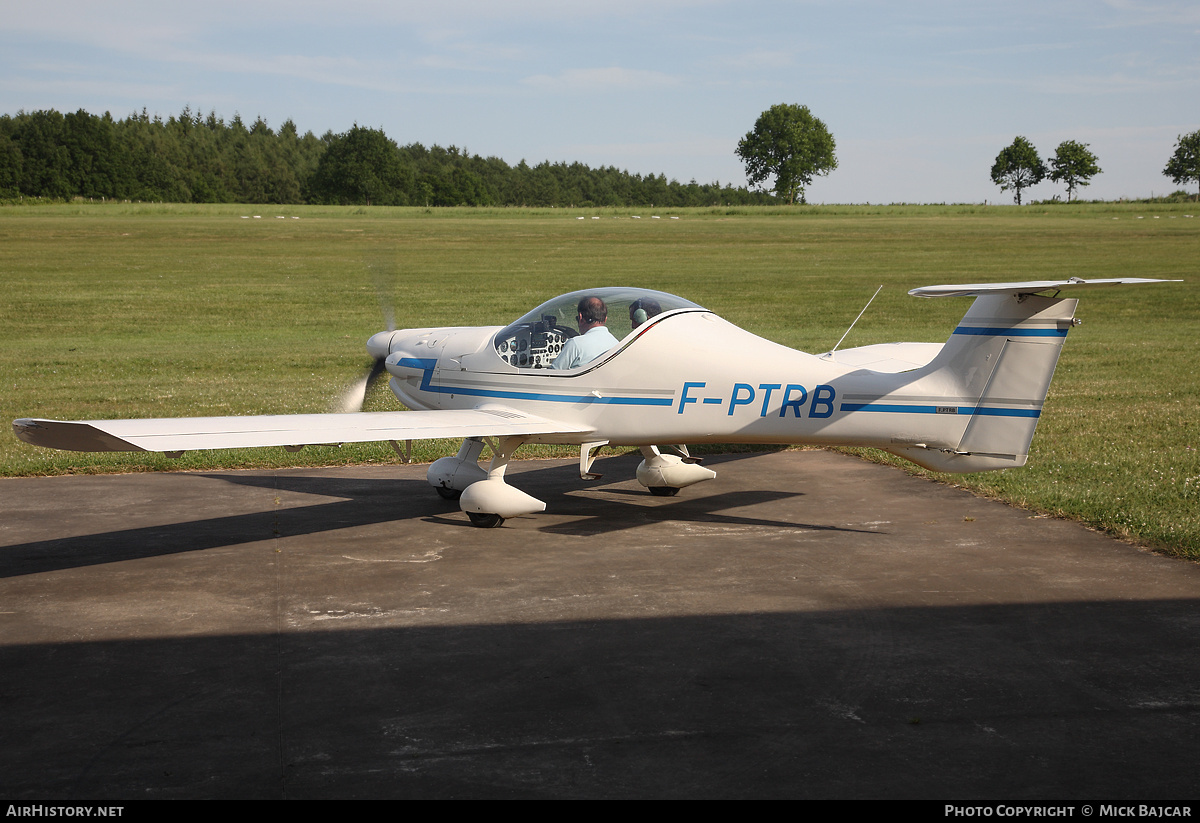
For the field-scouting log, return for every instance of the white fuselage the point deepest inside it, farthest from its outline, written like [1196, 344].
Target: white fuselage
[691, 377]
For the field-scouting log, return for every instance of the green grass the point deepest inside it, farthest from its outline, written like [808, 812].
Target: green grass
[137, 310]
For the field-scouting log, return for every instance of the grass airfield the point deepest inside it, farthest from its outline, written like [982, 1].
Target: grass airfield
[157, 310]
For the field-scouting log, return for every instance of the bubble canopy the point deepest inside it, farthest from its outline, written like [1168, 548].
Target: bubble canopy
[534, 340]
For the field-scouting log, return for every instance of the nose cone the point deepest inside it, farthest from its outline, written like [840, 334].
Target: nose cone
[380, 344]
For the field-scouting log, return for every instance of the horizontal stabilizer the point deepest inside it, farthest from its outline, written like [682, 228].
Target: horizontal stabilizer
[191, 433]
[1029, 287]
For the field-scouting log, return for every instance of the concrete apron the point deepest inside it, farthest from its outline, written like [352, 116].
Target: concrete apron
[805, 625]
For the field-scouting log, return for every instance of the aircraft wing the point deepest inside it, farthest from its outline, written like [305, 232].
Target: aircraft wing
[1028, 287]
[191, 433]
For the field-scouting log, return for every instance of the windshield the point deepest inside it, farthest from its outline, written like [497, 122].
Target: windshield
[537, 338]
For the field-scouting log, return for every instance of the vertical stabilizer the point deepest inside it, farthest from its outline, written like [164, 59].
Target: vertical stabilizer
[997, 365]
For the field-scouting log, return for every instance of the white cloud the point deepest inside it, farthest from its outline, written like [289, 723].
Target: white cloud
[42, 91]
[760, 59]
[613, 78]
[687, 147]
[1136, 14]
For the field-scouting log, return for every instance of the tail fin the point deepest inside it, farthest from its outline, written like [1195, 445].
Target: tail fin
[1003, 354]
[997, 366]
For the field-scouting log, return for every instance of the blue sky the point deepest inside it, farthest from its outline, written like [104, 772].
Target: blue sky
[920, 96]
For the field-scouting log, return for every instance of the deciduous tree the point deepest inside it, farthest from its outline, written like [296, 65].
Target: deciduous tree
[1074, 165]
[362, 166]
[789, 145]
[1018, 167]
[1184, 165]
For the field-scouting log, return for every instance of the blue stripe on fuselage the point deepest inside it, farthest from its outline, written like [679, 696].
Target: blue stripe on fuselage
[984, 411]
[427, 365]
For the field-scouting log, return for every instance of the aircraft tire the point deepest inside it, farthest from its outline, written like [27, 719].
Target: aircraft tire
[663, 491]
[485, 521]
[447, 493]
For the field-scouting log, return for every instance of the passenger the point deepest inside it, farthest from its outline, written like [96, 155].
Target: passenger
[642, 310]
[594, 337]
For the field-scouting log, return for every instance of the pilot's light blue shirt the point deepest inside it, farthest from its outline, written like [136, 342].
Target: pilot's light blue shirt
[584, 348]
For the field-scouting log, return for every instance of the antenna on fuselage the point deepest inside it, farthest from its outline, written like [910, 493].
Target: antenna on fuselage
[860, 314]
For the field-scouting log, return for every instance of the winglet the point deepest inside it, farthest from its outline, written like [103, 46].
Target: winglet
[1028, 287]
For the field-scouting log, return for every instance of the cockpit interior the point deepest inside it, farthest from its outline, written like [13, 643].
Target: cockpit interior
[533, 341]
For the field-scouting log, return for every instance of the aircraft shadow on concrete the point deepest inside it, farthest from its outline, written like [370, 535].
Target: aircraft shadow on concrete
[362, 502]
[1037, 700]
[585, 668]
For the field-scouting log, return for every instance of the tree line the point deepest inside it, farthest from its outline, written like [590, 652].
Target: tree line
[196, 158]
[791, 146]
[1019, 166]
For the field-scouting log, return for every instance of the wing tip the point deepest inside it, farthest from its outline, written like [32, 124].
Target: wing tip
[69, 435]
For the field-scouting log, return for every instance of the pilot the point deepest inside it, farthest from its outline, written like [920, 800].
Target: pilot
[594, 337]
[642, 310]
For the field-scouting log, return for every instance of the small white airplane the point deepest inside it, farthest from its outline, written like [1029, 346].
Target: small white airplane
[679, 374]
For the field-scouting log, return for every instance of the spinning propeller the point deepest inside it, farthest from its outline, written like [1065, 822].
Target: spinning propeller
[353, 398]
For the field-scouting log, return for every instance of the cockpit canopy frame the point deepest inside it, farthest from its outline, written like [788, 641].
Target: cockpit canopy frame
[534, 340]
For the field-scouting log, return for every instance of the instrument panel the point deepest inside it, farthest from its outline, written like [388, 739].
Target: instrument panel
[533, 345]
